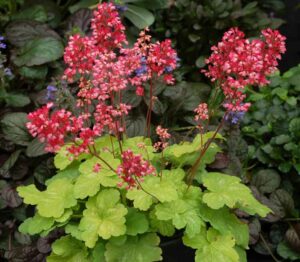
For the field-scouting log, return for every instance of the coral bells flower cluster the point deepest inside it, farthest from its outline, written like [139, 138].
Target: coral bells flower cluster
[133, 169]
[52, 128]
[237, 62]
[201, 112]
[103, 66]
[163, 136]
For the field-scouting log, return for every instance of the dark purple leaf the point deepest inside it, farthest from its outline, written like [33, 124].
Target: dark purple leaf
[254, 230]
[80, 20]
[11, 197]
[221, 161]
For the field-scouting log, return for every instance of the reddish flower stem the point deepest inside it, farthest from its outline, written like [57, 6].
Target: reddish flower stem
[191, 173]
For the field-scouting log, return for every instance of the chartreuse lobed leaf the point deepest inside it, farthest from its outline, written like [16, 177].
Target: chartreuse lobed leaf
[186, 153]
[106, 158]
[228, 190]
[88, 183]
[163, 227]
[184, 211]
[141, 248]
[140, 145]
[51, 202]
[163, 188]
[68, 249]
[242, 254]
[212, 247]
[136, 222]
[141, 200]
[70, 173]
[104, 216]
[226, 223]
[73, 229]
[36, 224]
[63, 159]
[106, 143]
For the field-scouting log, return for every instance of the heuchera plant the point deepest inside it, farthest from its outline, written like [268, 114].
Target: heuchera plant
[114, 196]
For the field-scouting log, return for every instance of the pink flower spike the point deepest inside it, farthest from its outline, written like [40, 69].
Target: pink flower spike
[133, 169]
[237, 62]
[201, 112]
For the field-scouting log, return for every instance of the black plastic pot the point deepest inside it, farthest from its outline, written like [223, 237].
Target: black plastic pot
[175, 251]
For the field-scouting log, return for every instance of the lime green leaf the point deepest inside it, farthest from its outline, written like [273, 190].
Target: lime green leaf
[184, 212]
[88, 183]
[36, 224]
[62, 158]
[136, 222]
[140, 145]
[141, 200]
[226, 223]
[228, 190]
[70, 173]
[106, 143]
[143, 248]
[98, 252]
[187, 152]
[68, 249]
[88, 166]
[73, 230]
[104, 217]
[51, 202]
[164, 189]
[242, 254]
[62, 219]
[213, 247]
[196, 242]
[139, 16]
[163, 227]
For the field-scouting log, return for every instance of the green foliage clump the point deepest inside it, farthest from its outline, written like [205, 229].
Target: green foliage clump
[105, 222]
[272, 126]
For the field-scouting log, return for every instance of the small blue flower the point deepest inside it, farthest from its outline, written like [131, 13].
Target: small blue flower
[141, 70]
[121, 8]
[8, 72]
[51, 92]
[168, 69]
[1, 38]
[234, 117]
[51, 88]
[2, 45]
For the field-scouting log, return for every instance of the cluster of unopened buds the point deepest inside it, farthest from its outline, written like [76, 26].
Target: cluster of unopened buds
[164, 136]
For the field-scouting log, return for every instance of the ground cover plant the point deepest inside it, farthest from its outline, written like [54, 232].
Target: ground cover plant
[113, 194]
[270, 128]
